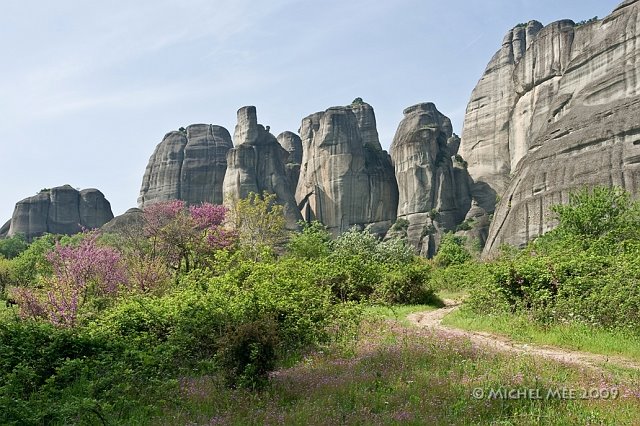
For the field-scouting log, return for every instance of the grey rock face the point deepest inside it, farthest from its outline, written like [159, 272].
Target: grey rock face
[566, 115]
[130, 222]
[60, 210]
[4, 231]
[477, 225]
[293, 145]
[343, 180]
[367, 124]
[435, 193]
[257, 164]
[487, 127]
[188, 165]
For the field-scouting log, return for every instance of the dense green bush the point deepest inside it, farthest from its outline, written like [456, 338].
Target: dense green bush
[460, 276]
[234, 308]
[12, 247]
[312, 242]
[587, 269]
[361, 267]
[452, 251]
[247, 352]
[29, 265]
[50, 375]
[408, 284]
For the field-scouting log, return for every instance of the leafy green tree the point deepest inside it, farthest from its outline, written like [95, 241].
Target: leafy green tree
[595, 212]
[452, 251]
[12, 247]
[313, 242]
[6, 276]
[260, 224]
[29, 265]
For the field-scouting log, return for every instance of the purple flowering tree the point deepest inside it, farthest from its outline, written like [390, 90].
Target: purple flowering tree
[186, 236]
[79, 272]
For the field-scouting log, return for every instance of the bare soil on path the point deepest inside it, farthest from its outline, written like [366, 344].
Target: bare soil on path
[433, 320]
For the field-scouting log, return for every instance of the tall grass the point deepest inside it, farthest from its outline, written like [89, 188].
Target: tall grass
[404, 375]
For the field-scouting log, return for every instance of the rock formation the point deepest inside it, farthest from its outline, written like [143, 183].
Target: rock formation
[435, 193]
[61, 210]
[346, 178]
[556, 109]
[293, 145]
[129, 223]
[488, 136]
[4, 231]
[257, 164]
[188, 165]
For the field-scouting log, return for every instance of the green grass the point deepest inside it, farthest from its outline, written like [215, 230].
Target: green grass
[576, 336]
[404, 375]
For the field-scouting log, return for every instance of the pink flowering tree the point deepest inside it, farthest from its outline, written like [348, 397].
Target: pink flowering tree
[185, 236]
[80, 272]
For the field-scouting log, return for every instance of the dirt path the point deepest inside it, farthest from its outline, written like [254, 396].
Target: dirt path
[433, 320]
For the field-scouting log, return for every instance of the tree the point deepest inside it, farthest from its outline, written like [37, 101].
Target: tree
[12, 247]
[182, 235]
[598, 211]
[80, 272]
[313, 242]
[259, 222]
[451, 251]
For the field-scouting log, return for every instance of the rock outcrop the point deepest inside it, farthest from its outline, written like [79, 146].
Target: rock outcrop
[60, 210]
[560, 114]
[293, 145]
[434, 186]
[188, 165]
[257, 164]
[346, 178]
[489, 134]
[4, 230]
[130, 223]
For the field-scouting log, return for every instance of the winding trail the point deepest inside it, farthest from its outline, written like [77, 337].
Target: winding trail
[433, 320]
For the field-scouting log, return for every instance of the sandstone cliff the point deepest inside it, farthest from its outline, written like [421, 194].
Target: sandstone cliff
[346, 178]
[293, 145]
[188, 165]
[60, 210]
[435, 190]
[257, 164]
[556, 109]
[130, 223]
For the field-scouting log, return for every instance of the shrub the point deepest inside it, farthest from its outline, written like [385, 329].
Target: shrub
[460, 276]
[31, 264]
[6, 276]
[408, 284]
[12, 247]
[452, 251]
[79, 273]
[186, 236]
[593, 213]
[467, 225]
[312, 242]
[400, 224]
[50, 375]
[247, 353]
[585, 270]
[260, 224]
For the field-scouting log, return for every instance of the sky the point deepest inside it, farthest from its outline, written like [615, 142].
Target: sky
[88, 89]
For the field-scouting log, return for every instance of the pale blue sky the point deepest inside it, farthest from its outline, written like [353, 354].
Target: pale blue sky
[88, 89]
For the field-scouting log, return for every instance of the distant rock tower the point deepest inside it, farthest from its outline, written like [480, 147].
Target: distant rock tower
[256, 164]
